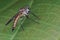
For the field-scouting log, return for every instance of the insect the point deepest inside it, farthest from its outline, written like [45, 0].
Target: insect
[23, 12]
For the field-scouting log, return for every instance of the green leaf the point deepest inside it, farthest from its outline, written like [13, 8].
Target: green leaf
[47, 10]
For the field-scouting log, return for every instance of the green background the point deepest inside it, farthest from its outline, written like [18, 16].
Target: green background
[47, 10]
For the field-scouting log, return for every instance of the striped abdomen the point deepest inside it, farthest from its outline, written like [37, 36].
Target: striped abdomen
[16, 20]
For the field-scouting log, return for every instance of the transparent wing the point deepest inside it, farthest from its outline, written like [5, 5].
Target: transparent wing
[11, 19]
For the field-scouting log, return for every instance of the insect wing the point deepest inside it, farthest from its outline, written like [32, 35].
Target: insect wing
[12, 18]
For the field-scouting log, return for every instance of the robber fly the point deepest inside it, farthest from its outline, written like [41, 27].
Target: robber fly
[25, 11]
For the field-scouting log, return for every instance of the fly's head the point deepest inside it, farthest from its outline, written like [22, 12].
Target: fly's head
[25, 10]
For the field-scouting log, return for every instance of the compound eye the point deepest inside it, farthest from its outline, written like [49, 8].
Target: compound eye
[29, 11]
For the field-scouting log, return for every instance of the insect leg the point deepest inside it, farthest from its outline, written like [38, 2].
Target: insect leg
[32, 19]
[35, 15]
[22, 27]
[22, 23]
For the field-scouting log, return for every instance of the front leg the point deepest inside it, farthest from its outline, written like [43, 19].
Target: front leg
[31, 19]
[35, 15]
